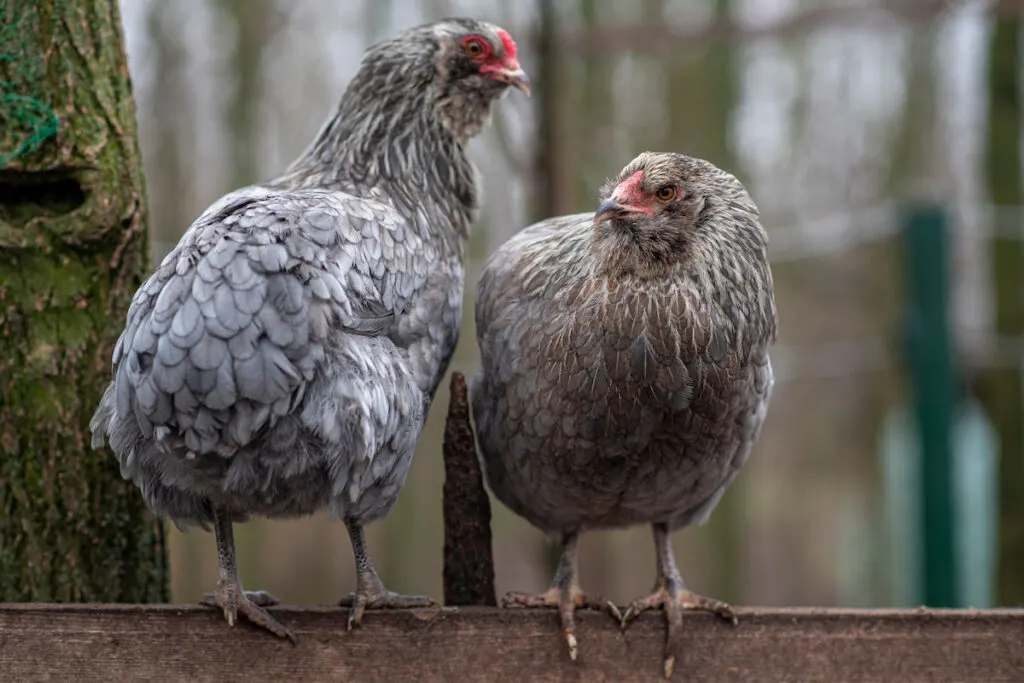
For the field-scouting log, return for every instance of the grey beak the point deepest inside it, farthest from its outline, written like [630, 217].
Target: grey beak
[608, 210]
[517, 78]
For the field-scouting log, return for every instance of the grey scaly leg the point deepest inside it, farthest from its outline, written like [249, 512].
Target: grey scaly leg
[370, 590]
[672, 596]
[230, 596]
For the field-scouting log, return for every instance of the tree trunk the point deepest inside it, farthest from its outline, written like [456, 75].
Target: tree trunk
[72, 252]
[1001, 388]
[254, 26]
[173, 98]
[551, 194]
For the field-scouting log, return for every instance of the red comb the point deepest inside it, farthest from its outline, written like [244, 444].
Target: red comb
[508, 44]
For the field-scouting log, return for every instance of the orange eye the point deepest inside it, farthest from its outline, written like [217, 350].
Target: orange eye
[474, 48]
[666, 193]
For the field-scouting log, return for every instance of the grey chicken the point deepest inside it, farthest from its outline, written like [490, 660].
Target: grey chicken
[284, 354]
[625, 372]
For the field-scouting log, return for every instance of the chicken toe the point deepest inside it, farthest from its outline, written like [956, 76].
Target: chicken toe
[565, 595]
[567, 599]
[234, 601]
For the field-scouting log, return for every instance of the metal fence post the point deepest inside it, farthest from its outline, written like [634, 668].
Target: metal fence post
[932, 376]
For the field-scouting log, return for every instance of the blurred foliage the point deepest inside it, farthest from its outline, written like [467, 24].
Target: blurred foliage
[1001, 388]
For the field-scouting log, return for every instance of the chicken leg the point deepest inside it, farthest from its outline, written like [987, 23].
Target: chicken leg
[672, 596]
[370, 590]
[229, 596]
[565, 594]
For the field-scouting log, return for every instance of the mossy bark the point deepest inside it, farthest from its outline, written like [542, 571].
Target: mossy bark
[1000, 389]
[72, 252]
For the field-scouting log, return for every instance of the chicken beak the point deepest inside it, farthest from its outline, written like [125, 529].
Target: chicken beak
[514, 76]
[610, 209]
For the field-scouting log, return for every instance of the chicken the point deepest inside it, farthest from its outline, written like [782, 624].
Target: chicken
[282, 357]
[625, 371]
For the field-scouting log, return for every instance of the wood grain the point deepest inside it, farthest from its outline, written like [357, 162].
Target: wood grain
[84, 643]
[468, 562]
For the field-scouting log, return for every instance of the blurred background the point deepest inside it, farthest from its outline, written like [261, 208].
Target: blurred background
[836, 115]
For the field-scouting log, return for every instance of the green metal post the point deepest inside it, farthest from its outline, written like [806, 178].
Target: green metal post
[930, 363]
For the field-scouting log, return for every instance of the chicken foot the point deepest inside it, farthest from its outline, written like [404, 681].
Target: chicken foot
[565, 594]
[673, 597]
[370, 590]
[230, 596]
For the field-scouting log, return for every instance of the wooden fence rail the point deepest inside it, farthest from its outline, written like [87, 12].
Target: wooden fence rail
[109, 643]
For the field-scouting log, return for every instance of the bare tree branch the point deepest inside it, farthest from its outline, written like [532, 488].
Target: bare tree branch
[661, 37]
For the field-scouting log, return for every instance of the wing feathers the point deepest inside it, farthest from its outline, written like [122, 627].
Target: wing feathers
[227, 332]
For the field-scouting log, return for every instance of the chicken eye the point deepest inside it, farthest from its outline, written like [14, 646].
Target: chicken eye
[666, 193]
[474, 48]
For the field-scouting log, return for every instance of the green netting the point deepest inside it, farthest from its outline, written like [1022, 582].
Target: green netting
[29, 120]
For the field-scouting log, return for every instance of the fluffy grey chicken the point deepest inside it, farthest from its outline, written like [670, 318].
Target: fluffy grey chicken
[625, 371]
[282, 357]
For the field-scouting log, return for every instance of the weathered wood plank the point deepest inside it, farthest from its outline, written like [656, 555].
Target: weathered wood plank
[84, 643]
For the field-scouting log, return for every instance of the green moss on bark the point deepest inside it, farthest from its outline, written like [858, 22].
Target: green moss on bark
[72, 252]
